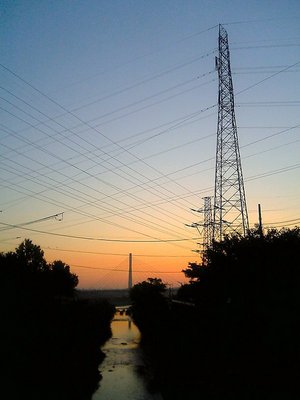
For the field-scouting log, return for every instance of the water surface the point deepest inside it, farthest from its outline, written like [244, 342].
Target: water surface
[125, 376]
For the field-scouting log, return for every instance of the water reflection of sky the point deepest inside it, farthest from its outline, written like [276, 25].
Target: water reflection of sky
[123, 331]
[121, 369]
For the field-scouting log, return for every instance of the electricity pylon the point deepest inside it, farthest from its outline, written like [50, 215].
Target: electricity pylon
[230, 209]
[207, 224]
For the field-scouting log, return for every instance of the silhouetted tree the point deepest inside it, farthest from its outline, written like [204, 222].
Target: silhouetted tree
[10, 276]
[193, 271]
[63, 281]
[49, 349]
[148, 292]
[31, 256]
[249, 293]
[247, 269]
[148, 300]
[25, 272]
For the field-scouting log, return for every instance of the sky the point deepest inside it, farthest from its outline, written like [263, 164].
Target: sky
[108, 127]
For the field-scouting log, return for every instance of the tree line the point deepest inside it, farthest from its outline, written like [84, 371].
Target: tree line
[239, 337]
[50, 340]
[26, 272]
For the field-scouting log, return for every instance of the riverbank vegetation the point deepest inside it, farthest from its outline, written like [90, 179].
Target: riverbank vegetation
[238, 338]
[50, 339]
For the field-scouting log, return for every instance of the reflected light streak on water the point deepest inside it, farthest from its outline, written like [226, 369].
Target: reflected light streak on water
[123, 369]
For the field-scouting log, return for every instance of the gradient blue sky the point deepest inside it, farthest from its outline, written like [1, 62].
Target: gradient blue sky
[108, 114]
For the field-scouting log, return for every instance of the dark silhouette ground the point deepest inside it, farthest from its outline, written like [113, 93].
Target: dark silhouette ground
[49, 338]
[240, 340]
[52, 351]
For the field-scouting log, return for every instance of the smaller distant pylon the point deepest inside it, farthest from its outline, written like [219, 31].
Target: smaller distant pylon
[207, 223]
[206, 233]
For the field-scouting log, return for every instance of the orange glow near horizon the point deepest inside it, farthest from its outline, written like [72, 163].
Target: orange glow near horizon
[118, 135]
[104, 265]
[108, 271]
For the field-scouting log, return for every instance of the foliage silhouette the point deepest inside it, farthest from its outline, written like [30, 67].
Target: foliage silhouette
[241, 337]
[31, 256]
[49, 339]
[149, 305]
[63, 281]
[25, 272]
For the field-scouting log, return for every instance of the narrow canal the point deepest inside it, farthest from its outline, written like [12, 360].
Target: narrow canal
[125, 375]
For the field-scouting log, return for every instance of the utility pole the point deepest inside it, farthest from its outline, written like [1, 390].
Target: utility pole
[130, 272]
[230, 209]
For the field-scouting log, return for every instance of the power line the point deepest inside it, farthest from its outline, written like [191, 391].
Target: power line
[99, 239]
[268, 77]
[283, 222]
[245, 145]
[176, 126]
[146, 106]
[244, 89]
[124, 270]
[246, 157]
[94, 216]
[114, 254]
[282, 226]
[263, 175]
[270, 104]
[101, 199]
[159, 75]
[274, 172]
[248, 145]
[265, 46]
[258, 127]
[58, 217]
[250, 21]
[148, 54]
[85, 171]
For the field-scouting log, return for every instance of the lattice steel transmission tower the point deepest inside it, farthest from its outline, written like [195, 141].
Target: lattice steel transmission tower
[207, 223]
[230, 209]
[207, 231]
